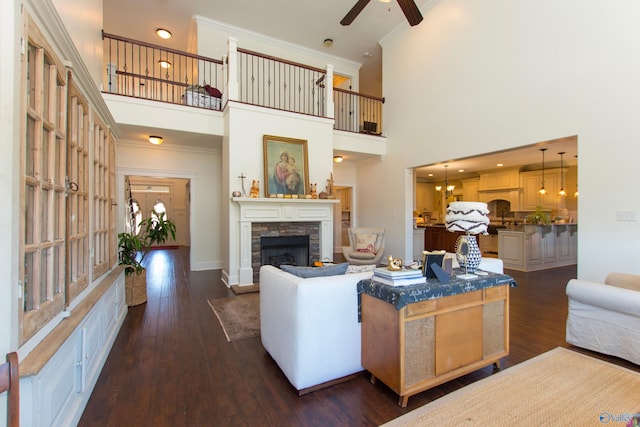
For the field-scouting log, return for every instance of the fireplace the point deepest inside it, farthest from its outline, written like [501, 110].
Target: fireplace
[273, 217]
[292, 250]
[296, 243]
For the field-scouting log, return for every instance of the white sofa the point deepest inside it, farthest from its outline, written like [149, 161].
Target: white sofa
[310, 326]
[605, 317]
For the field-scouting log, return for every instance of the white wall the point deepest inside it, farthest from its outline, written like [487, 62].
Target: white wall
[485, 76]
[83, 21]
[203, 168]
[9, 176]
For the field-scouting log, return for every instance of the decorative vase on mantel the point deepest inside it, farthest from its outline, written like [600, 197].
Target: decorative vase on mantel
[469, 259]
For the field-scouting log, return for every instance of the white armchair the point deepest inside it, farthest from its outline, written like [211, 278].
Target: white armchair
[605, 317]
[366, 245]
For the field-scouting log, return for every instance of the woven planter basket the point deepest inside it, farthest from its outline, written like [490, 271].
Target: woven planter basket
[136, 288]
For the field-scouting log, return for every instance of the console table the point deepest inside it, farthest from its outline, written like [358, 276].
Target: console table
[416, 337]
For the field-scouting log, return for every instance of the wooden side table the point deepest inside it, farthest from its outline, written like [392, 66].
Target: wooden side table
[430, 342]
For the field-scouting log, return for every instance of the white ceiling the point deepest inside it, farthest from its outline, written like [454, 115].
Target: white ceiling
[306, 23]
[303, 22]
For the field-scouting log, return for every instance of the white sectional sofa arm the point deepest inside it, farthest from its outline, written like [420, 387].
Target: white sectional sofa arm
[310, 326]
[604, 296]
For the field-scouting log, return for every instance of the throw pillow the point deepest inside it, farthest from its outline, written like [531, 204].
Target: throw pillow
[366, 243]
[306, 272]
[355, 269]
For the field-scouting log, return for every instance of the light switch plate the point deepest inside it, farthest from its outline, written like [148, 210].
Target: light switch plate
[626, 216]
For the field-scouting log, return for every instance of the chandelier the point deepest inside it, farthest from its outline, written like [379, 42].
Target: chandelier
[448, 188]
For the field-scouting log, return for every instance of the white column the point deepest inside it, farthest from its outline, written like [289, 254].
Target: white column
[329, 92]
[232, 69]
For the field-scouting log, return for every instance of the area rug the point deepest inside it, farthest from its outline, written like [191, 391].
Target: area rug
[239, 316]
[245, 289]
[558, 388]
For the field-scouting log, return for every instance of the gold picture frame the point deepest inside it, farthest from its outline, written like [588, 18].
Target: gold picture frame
[286, 167]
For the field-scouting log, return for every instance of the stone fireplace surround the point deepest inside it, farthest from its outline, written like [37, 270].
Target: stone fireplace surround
[298, 215]
[282, 229]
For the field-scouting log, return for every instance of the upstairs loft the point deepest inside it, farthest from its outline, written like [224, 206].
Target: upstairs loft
[151, 72]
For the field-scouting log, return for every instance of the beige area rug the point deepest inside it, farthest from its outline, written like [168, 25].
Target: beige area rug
[246, 289]
[557, 388]
[238, 315]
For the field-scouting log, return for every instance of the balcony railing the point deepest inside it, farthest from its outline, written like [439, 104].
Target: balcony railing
[355, 112]
[277, 83]
[148, 71]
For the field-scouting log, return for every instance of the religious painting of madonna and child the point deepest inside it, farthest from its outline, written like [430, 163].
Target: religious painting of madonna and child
[286, 170]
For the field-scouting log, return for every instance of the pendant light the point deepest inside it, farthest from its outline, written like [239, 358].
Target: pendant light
[447, 187]
[542, 190]
[562, 192]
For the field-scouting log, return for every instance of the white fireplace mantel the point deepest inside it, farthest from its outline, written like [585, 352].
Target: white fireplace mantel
[282, 210]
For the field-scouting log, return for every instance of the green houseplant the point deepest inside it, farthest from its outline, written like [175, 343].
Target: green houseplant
[132, 249]
[129, 246]
[158, 228]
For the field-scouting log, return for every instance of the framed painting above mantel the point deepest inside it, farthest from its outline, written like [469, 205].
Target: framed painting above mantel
[286, 167]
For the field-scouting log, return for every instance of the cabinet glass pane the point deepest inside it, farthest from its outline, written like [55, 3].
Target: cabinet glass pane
[29, 214]
[44, 218]
[45, 274]
[29, 169]
[46, 166]
[31, 76]
[27, 283]
[46, 90]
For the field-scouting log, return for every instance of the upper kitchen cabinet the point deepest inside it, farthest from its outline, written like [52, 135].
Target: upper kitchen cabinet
[470, 189]
[424, 197]
[499, 180]
[531, 183]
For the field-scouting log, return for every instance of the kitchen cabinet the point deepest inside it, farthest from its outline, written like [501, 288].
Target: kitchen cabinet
[488, 244]
[437, 238]
[470, 189]
[424, 197]
[531, 183]
[499, 180]
[418, 243]
[538, 247]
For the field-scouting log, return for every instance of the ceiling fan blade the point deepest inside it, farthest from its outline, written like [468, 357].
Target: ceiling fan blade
[411, 11]
[355, 11]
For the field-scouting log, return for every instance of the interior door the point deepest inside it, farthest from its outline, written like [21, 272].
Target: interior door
[148, 201]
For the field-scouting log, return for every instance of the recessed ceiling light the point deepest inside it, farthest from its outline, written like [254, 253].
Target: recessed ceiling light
[500, 165]
[461, 170]
[155, 140]
[338, 159]
[430, 174]
[163, 34]
[368, 54]
[164, 63]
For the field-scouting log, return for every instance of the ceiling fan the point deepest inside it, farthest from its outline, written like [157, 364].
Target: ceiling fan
[408, 7]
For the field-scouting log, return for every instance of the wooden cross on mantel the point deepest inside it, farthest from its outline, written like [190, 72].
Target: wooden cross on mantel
[242, 177]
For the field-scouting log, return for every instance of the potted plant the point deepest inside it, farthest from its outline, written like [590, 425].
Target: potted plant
[158, 229]
[130, 245]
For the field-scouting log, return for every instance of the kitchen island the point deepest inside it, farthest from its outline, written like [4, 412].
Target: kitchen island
[532, 247]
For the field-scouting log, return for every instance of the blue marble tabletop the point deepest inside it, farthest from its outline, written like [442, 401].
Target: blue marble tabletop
[400, 296]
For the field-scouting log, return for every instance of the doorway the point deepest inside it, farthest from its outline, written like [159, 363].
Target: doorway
[168, 195]
[342, 219]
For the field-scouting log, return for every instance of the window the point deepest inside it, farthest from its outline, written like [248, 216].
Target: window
[43, 188]
[102, 202]
[57, 232]
[78, 196]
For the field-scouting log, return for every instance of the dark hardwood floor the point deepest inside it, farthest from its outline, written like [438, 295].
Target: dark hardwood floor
[172, 366]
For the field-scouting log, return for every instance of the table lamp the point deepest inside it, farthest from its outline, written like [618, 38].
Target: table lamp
[471, 218]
